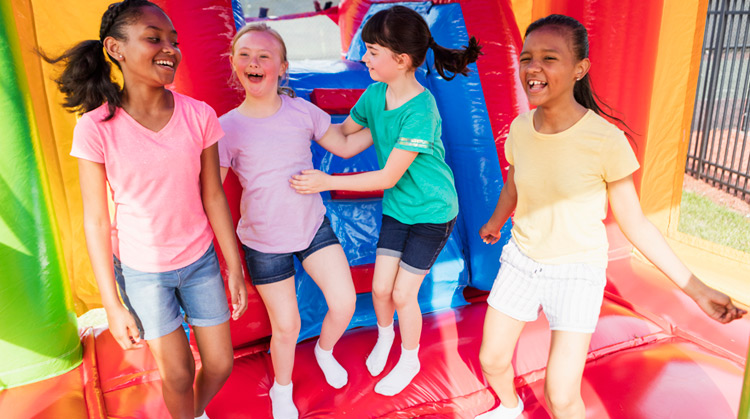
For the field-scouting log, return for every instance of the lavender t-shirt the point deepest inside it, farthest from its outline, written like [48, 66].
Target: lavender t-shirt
[265, 153]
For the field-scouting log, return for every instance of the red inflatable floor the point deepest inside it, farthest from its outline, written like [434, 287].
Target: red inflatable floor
[653, 355]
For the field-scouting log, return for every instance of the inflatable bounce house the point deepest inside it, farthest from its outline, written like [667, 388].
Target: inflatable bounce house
[654, 353]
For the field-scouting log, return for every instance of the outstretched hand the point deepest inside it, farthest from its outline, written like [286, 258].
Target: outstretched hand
[715, 303]
[718, 306]
[310, 181]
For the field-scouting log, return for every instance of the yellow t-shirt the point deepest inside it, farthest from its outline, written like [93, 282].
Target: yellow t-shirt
[561, 181]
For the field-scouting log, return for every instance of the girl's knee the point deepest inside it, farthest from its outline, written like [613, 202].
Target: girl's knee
[220, 368]
[494, 363]
[179, 380]
[382, 292]
[403, 299]
[343, 308]
[562, 400]
[287, 330]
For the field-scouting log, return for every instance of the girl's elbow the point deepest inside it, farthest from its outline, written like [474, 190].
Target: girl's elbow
[93, 225]
[345, 154]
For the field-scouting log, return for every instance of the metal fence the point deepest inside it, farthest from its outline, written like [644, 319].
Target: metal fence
[719, 145]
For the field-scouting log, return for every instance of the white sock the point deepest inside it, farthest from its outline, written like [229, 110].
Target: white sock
[401, 375]
[203, 416]
[379, 355]
[282, 404]
[335, 374]
[502, 412]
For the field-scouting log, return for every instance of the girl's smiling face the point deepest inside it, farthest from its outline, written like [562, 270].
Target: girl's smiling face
[548, 67]
[149, 54]
[258, 63]
[384, 64]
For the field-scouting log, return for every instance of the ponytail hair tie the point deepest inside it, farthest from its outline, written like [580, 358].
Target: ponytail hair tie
[431, 43]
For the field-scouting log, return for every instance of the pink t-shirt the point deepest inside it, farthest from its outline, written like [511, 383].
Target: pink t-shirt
[154, 178]
[265, 153]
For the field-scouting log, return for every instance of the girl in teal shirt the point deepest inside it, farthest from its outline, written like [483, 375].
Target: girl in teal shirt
[420, 203]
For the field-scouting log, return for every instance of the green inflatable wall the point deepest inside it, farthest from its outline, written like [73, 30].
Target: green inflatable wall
[38, 329]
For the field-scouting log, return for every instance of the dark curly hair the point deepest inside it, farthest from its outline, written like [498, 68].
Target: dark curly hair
[86, 79]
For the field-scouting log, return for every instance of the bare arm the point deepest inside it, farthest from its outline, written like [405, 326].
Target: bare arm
[648, 239]
[349, 127]
[314, 181]
[98, 230]
[217, 210]
[345, 146]
[490, 231]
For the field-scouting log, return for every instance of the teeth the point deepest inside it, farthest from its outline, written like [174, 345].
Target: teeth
[165, 62]
[536, 83]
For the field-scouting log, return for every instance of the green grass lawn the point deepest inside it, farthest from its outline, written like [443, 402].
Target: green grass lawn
[700, 217]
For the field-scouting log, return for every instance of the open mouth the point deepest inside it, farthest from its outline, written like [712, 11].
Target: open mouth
[536, 85]
[254, 78]
[165, 63]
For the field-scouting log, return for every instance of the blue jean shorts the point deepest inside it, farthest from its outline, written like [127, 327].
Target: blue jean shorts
[155, 298]
[267, 268]
[418, 245]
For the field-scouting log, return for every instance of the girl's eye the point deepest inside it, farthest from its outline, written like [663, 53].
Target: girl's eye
[525, 59]
[550, 58]
[243, 54]
[153, 40]
[175, 44]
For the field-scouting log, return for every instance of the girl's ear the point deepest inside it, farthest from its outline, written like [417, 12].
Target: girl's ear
[403, 60]
[582, 68]
[284, 68]
[113, 48]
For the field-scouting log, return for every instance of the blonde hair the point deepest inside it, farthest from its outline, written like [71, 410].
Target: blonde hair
[283, 88]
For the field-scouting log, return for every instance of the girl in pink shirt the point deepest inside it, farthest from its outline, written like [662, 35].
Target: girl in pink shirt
[157, 151]
[267, 141]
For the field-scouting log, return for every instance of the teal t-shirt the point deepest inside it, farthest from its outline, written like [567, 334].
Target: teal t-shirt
[425, 193]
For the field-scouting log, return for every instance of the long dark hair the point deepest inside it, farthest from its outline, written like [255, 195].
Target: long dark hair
[583, 91]
[404, 31]
[86, 79]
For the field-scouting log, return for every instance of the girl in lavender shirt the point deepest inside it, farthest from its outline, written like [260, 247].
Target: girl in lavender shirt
[267, 141]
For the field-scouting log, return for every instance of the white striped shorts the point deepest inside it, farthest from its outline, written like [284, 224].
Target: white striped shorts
[569, 294]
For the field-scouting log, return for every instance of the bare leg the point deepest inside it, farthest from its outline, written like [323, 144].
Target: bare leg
[330, 270]
[384, 278]
[499, 339]
[405, 292]
[217, 357]
[280, 299]
[562, 388]
[383, 281]
[177, 370]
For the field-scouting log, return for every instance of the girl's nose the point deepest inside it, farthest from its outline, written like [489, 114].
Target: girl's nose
[533, 66]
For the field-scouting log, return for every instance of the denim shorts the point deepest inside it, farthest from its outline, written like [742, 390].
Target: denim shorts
[267, 268]
[418, 245]
[155, 298]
